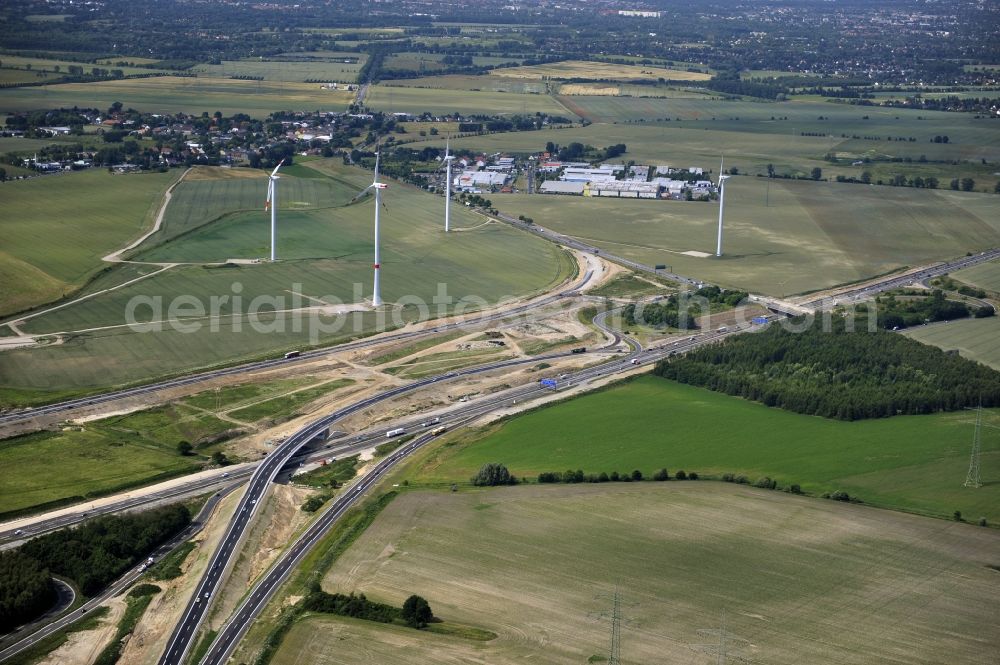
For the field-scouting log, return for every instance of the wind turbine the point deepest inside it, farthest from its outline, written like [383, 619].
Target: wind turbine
[378, 187]
[448, 157]
[272, 203]
[722, 202]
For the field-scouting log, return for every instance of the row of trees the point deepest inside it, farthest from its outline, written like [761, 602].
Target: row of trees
[416, 611]
[836, 373]
[578, 476]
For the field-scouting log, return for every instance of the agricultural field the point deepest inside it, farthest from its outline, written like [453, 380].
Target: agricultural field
[171, 94]
[418, 100]
[976, 339]
[101, 456]
[57, 228]
[469, 83]
[209, 194]
[18, 76]
[581, 69]
[631, 285]
[342, 67]
[57, 66]
[782, 237]
[325, 259]
[985, 276]
[911, 463]
[791, 579]
[750, 145]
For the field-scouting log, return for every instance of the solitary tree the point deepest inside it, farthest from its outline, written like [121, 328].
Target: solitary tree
[417, 612]
[492, 474]
[968, 184]
[184, 447]
[816, 173]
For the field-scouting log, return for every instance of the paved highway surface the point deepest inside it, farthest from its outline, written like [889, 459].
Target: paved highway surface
[69, 405]
[29, 636]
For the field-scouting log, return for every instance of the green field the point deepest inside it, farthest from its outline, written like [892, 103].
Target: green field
[57, 228]
[325, 258]
[782, 237]
[286, 405]
[198, 201]
[62, 66]
[985, 276]
[420, 100]
[290, 68]
[977, 339]
[171, 94]
[630, 285]
[234, 397]
[794, 580]
[104, 455]
[915, 463]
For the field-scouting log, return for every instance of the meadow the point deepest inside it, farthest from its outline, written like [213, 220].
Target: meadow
[325, 258]
[781, 236]
[912, 463]
[791, 579]
[420, 100]
[57, 228]
[101, 456]
[172, 94]
[976, 339]
[581, 69]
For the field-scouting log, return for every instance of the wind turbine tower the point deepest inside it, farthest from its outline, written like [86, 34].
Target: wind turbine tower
[722, 204]
[378, 187]
[272, 203]
[448, 157]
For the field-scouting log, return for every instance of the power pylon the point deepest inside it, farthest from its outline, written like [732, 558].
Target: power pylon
[972, 478]
[616, 629]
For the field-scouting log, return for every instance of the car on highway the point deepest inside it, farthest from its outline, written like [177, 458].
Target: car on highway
[18, 532]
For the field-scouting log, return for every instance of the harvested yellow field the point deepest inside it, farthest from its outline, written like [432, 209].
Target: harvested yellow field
[590, 89]
[583, 69]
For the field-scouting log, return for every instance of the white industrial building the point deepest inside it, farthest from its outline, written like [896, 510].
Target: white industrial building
[625, 189]
[562, 187]
[468, 181]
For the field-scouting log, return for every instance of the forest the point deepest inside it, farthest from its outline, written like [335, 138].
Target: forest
[97, 552]
[837, 373]
[25, 589]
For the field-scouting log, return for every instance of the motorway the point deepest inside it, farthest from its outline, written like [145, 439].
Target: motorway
[258, 597]
[274, 363]
[265, 473]
[28, 636]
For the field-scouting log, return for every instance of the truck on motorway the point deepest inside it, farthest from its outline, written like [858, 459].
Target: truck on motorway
[438, 431]
[395, 432]
[292, 354]
[580, 349]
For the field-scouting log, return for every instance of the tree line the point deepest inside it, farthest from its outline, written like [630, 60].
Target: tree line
[26, 589]
[570, 476]
[415, 613]
[836, 373]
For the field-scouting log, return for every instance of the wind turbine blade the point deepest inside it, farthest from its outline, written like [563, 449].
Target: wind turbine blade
[362, 192]
[721, 165]
[270, 194]
[275, 171]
